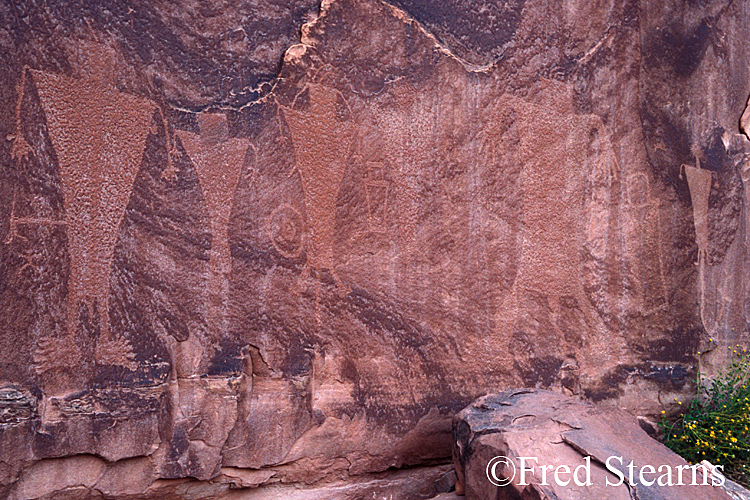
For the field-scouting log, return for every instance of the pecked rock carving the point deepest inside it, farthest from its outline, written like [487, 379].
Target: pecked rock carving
[286, 231]
[378, 191]
[322, 132]
[99, 135]
[647, 219]
[699, 181]
[219, 161]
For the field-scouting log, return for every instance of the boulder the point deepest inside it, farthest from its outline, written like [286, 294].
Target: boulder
[537, 444]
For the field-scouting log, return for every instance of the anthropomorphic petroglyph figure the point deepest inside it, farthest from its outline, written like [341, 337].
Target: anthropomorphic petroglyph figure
[377, 190]
[699, 183]
[219, 162]
[373, 158]
[645, 220]
[322, 134]
[99, 135]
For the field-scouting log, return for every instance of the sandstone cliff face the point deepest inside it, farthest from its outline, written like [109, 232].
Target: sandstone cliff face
[271, 242]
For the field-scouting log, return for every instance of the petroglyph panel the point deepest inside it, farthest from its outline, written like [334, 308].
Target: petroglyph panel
[98, 134]
[322, 130]
[308, 271]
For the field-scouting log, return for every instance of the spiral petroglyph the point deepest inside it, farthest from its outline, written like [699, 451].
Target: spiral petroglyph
[287, 231]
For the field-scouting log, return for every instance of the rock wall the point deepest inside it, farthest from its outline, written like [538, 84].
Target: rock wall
[261, 242]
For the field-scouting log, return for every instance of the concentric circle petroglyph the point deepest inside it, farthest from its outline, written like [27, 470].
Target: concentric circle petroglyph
[287, 231]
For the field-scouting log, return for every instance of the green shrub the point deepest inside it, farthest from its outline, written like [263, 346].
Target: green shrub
[715, 425]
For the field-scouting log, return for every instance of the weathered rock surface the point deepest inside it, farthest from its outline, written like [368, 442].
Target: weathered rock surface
[591, 452]
[287, 241]
[87, 477]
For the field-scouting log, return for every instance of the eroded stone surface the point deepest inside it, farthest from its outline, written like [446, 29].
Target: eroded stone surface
[285, 242]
